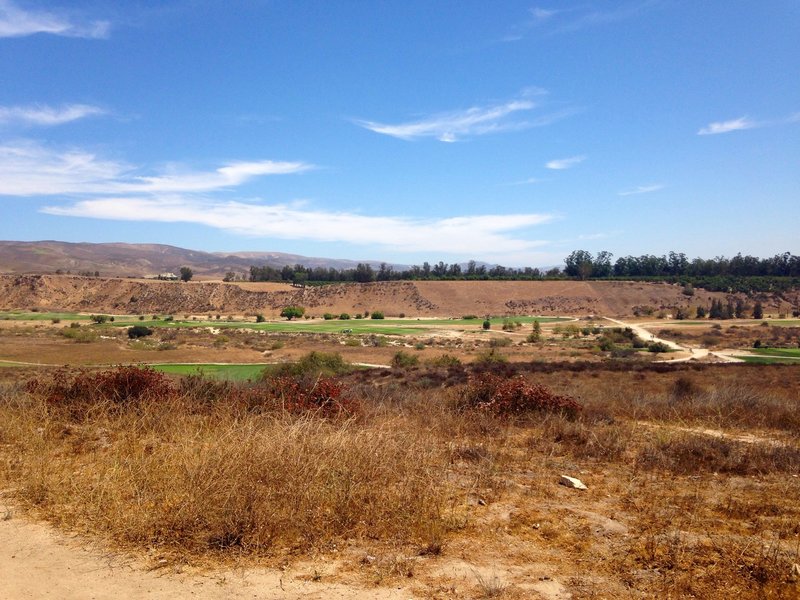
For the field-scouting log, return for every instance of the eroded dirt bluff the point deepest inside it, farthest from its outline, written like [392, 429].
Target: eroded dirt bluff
[421, 298]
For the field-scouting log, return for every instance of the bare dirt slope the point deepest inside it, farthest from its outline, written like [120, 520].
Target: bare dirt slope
[412, 298]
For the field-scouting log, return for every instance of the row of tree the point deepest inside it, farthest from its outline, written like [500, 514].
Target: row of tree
[583, 265]
[715, 273]
[365, 273]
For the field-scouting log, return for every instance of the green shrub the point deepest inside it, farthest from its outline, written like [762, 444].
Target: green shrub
[98, 319]
[376, 315]
[490, 357]
[81, 335]
[327, 316]
[312, 365]
[344, 317]
[403, 360]
[606, 344]
[293, 312]
[138, 331]
[445, 360]
[657, 347]
[487, 324]
[260, 318]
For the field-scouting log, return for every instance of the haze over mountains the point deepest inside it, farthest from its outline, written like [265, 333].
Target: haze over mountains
[145, 260]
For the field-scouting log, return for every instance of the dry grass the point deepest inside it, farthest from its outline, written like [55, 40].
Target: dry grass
[166, 474]
[414, 482]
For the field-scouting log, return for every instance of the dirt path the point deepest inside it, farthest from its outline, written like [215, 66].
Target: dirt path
[687, 352]
[742, 437]
[38, 563]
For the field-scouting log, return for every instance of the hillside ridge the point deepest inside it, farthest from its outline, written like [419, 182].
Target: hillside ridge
[394, 298]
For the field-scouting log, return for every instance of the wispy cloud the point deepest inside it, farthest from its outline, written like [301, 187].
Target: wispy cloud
[560, 164]
[30, 169]
[17, 22]
[99, 188]
[47, 115]
[540, 14]
[457, 235]
[745, 123]
[642, 189]
[549, 21]
[528, 181]
[727, 126]
[477, 120]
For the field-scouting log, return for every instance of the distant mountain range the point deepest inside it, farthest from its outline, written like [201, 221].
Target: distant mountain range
[147, 260]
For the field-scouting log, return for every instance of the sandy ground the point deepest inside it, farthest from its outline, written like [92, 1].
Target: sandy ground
[38, 563]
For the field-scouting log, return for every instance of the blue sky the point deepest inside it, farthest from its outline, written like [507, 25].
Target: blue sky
[510, 132]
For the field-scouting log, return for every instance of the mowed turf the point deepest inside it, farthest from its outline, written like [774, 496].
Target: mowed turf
[770, 360]
[19, 315]
[785, 352]
[355, 326]
[230, 372]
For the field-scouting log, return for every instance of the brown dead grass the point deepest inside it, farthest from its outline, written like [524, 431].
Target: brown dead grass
[462, 502]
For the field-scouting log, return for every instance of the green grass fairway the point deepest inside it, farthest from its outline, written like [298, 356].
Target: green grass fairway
[19, 315]
[231, 372]
[770, 360]
[357, 326]
[785, 323]
[784, 352]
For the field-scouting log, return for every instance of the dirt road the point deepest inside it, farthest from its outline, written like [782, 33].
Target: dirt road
[38, 563]
[687, 352]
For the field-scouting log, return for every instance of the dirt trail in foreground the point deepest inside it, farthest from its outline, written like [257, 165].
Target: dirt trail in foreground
[39, 563]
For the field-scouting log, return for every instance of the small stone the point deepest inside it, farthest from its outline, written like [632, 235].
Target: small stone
[572, 482]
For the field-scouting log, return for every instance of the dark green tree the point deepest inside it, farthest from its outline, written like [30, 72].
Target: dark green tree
[293, 312]
[579, 264]
[186, 274]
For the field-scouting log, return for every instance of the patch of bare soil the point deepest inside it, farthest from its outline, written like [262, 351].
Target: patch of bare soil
[37, 562]
[412, 298]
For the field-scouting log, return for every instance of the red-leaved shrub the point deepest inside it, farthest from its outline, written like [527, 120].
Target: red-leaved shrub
[506, 396]
[324, 396]
[118, 387]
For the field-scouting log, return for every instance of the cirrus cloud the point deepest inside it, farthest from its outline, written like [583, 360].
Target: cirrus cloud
[727, 126]
[455, 125]
[642, 189]
[43, 115]
[454, 235]
[745, 123]
[99, 188]
[31, 169]
[561, 164]
[17, 22]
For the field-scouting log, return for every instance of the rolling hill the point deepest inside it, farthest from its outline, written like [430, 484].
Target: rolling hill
[143, 260]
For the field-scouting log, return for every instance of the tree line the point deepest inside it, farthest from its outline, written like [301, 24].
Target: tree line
[581, 264]
[740, 273]
[365, 273]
